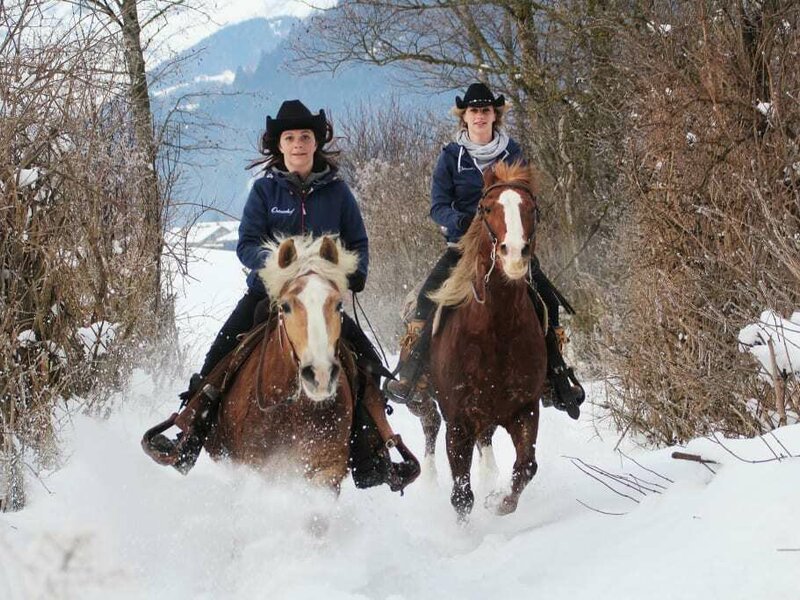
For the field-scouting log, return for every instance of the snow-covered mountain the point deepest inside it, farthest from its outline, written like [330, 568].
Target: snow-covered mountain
[227, 84]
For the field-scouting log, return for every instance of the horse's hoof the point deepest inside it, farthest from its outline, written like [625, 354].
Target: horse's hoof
[507, 506]
[492, 500]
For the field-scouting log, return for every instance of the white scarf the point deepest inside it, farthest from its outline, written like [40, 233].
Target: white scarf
[483, 154]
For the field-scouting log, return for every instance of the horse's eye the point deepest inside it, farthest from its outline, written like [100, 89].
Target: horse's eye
[285, 308]
[339, 306]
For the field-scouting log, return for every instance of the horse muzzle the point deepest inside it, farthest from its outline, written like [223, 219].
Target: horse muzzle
[320, 381]
[515, 268]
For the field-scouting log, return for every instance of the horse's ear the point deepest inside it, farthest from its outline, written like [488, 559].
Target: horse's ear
[328, 250]
[287, 253]
[489, 177]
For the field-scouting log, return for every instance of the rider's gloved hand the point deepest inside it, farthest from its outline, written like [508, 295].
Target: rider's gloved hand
[356, 281]
[464, 221]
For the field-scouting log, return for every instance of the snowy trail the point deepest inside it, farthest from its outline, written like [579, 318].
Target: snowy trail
[116, 525]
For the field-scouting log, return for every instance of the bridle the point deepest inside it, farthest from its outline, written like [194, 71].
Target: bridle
[282, 332]
[483, 210]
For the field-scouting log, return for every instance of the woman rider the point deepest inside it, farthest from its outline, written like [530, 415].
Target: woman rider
[301, 193]
[455, 192]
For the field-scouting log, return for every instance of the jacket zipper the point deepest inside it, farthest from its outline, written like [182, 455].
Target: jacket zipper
[303, 196]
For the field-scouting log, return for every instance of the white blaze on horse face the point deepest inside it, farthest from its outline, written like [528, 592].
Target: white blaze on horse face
[318, 355]
[515, 264]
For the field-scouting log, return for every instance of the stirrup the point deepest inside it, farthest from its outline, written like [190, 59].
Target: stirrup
[402, 474]
[398, 390]
[564, 378]
[180, 454]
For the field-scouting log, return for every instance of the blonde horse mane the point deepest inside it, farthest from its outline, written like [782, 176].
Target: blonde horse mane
[307, 259]
[457, 288]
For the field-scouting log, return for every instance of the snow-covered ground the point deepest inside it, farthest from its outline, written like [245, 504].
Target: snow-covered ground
[113, 524]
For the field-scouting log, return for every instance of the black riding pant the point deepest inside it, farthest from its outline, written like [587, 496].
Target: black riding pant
[441, 270]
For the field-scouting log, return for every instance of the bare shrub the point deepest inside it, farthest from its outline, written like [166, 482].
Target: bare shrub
[714, 233]
[390, 161]
[76, 265]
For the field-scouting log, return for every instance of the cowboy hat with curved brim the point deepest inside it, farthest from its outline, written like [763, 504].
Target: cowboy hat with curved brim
[293, 114]
[479, 95]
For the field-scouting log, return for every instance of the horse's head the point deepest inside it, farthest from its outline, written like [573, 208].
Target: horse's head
[509, 213]
[306, 279]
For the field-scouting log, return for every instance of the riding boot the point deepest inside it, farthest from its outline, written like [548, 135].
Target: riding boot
[400, 389]
[370, 463]
[565, 392]
[195, 421]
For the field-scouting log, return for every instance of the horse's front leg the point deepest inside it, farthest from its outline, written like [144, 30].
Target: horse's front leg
[523, 431]
[425, 409]
[460, 440]
[488, 463]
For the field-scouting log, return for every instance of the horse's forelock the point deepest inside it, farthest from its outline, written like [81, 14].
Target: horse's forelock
[516, 172]
[308, 259]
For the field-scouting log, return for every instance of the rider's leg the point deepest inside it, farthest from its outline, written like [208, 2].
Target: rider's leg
[370, 463]
[411, 352]
[240, 321]
[568, 391]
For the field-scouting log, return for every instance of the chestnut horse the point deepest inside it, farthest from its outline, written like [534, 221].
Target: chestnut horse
[487, 360]
[292, 397]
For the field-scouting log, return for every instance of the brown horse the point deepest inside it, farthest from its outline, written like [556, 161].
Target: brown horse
[487, 360]
[292, 398]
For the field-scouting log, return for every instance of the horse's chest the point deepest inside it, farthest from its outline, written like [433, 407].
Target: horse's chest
[489, 374]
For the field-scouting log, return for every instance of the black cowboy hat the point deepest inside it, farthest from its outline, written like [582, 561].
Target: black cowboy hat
[293, 114]
[479, 95]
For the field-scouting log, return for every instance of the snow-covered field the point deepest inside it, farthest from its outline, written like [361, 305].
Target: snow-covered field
[113, 524]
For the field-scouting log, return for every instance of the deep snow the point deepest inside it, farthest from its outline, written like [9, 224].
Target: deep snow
[113, 524]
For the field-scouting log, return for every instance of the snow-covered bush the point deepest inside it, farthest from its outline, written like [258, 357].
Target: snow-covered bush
[75, 251]
[713, 230]
[775, 343]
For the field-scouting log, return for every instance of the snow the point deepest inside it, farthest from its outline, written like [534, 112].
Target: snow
[765, 108]
[212, 234]
[96, 338]
[26, 337]
[26, 177]
[785, 337]
[112, 524]
[227, 77]
[662, 28]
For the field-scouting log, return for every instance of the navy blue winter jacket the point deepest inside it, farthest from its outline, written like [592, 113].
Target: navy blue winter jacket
[277, 207]
[456, 187]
